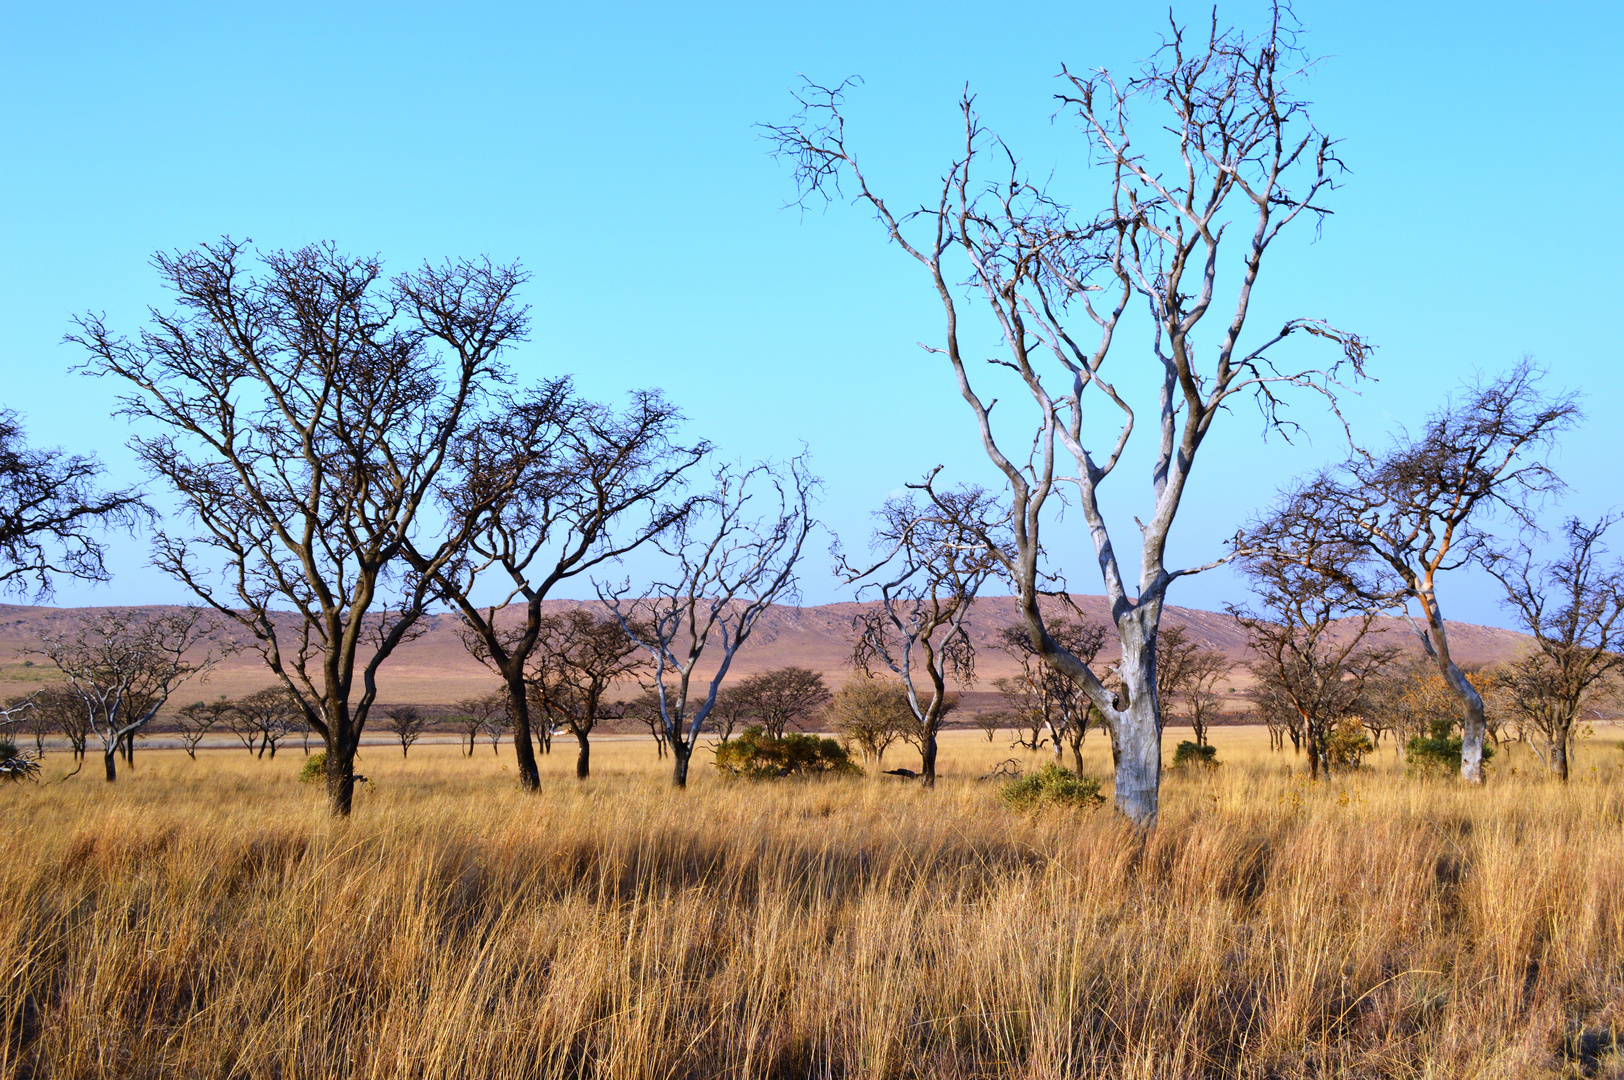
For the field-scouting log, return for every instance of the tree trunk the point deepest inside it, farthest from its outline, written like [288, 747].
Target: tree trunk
[340, 777]
[1138, 724]
[679, 762]
[927, 763]
[1077, 756]
[1473, 727]
[523, 749]
[110, 759]
[583, 759]
[471, 735]
[1559, 754]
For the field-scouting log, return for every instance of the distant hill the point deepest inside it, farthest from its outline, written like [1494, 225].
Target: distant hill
[435, 669]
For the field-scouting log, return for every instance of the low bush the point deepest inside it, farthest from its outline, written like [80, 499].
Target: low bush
[1190, 755]
[1347, 745]
[756, 756]
[315, 768]
[1437, 753]
[1052, 785]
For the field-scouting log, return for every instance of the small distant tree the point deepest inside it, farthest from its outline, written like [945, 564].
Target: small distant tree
[1310, 655]
[1046, 696]
[1573, 607]
[729, 714]
[870, 714]
[1188, 675]
[782, 698]
[193, 722]
[407, 722]
[934, 559]
[475, 712]
[645, 709]
[58, 708]
[991, 721]
[123, 665]
[728, 566]
[578, 659]
[264, 719]
[496, 725]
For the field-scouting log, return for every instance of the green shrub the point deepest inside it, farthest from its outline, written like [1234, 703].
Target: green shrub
[1052, 786]
[315, 769]
[1437, 753]
[755, 756]
[1194, 755]
[1347, 745]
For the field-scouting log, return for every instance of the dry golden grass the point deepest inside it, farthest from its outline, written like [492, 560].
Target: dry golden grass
[207, 920]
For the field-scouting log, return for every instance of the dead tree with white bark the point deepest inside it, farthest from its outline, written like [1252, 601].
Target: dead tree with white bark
[936, 553]
[732, 555]
[123, 664]
[1204, 157]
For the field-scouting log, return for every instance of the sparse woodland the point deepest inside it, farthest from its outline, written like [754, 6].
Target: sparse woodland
[1368, 858]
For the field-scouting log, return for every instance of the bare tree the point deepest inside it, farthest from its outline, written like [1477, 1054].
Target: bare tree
[58, 708]
[870, 714]
[728, 566]
[1232, 133]
[992, 721]
[1572, 607]
[264, 719]
[51, 512]
[646, 709]
[407, 722]
[731, 710]
[935, 555]
[1048, 696]
[781, 698]
[123, 665]
[477, 712]
[577, 661]
[1187, 677]
[304, 409]
[1309, 648]
[556, 486]
[194, 722]
[1420, 508]
[497, 724]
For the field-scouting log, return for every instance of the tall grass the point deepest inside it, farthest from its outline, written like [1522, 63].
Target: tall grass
[208, 920]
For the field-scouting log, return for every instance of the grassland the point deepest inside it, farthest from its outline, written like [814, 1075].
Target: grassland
[208, 920]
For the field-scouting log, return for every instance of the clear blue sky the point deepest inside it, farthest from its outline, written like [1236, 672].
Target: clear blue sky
[610, 147]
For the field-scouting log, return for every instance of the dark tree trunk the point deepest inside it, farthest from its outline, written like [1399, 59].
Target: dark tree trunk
[523, 748]
[583, 759]
[110, 759]
[679, 762]
[340, 776]
[927, 762]
[1559, 755]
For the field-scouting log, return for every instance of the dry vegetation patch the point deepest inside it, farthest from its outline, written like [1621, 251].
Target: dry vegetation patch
[1371, 926]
